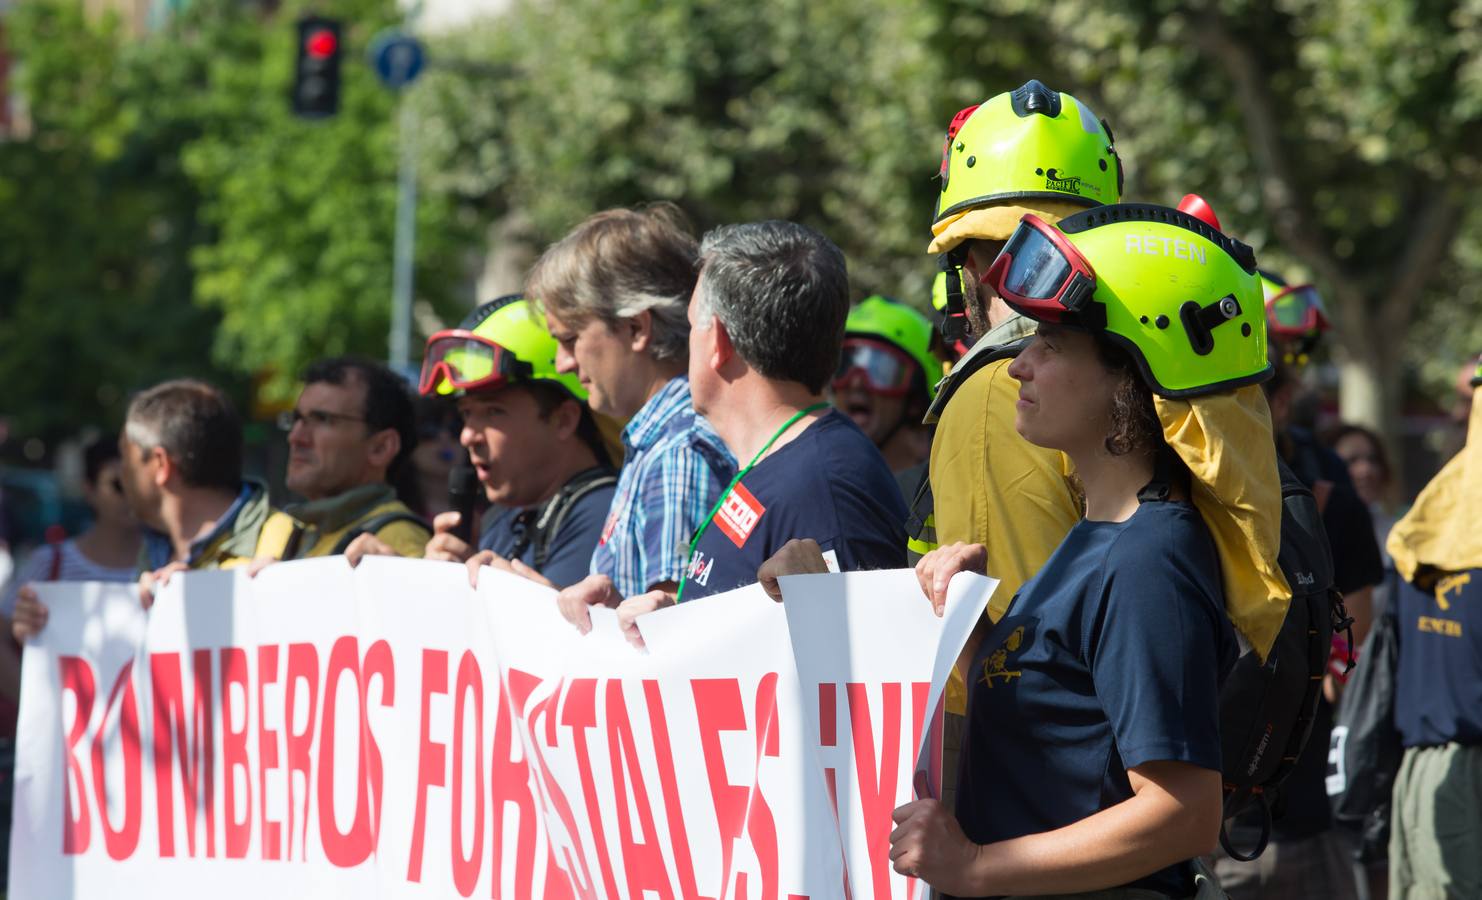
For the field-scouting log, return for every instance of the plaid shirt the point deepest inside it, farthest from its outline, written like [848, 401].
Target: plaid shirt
[675, 469]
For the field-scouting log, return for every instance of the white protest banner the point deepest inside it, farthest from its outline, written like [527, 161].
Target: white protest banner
[388, 731]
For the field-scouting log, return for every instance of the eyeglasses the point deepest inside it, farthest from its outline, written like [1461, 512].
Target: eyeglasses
[317, 418]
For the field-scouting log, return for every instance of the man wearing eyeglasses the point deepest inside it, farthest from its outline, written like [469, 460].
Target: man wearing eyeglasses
[350, 440]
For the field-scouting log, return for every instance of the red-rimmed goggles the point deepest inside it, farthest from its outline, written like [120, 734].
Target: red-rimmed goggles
[465, 361]
[1296, 312]
[882, 368]
[1041, 273]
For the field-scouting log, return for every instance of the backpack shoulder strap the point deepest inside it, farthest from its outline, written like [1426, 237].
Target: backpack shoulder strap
[921, 534]
[966, 367]
[921, 526]
[279, 536]
[374, 524]
[555, 515]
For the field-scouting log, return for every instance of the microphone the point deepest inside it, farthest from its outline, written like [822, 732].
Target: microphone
[463, 492]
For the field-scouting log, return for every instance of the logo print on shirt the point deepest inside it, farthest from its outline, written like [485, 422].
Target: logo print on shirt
[996, 665]
[739, 514]
[700, 568]
[1451, 584]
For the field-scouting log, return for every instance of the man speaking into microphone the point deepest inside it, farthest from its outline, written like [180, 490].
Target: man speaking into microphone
[533, 443]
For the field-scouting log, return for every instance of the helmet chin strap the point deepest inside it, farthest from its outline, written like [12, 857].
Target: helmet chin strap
[954, 320]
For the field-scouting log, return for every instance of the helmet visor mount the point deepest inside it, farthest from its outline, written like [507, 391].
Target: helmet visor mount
[459, 360]
[1042, 273]
[884, 369]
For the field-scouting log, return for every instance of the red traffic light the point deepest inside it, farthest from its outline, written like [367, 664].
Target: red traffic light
[321, 43]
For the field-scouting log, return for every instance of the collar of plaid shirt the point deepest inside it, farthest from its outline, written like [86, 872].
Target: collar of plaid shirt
[647, 425]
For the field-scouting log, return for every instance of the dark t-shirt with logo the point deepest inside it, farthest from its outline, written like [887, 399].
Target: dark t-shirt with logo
[1110, 657]
[1438, 685]
[829, 484]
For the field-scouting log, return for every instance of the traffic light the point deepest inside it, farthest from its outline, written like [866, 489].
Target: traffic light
[316, 77]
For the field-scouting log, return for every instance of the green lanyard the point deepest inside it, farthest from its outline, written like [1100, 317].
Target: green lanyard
[685, 577]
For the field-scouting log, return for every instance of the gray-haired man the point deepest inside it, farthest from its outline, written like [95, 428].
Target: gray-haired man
[766, 327]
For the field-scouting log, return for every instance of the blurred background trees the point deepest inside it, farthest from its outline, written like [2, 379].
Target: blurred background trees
[167, 214]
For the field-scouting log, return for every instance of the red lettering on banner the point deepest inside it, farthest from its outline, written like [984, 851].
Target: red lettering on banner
[718, 707]
[194, 751]
[466, 869]
[267, 752]
[556, 888]
[920, 692]
[579, 713]
[237, 832]
[643, 861]
[76, 676]
[352, 847]
[509, 783]
[122, 841]
[578, 882]
[664, 756]
[828, 714]
[761, 827]
[303, 668]
[828, 736]
[378, 662]
[876, 785]
[831, 782]
[432, 756]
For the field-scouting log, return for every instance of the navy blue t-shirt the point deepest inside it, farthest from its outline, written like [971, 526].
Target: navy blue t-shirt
[1111, 656]
[1438, 685]
[568, 552]
[830, 484]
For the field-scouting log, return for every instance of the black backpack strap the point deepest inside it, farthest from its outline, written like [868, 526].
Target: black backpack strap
[921, 535]
[967, 366]
[921, 526]
[1265, 839]
[374, 524]
[559, 509]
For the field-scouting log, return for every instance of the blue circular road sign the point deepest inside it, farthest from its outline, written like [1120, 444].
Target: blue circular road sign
[397, 58]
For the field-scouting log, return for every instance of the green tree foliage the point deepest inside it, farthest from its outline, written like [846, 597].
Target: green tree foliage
[1340, 137]
[303, 212]
[167, 214]
[96, 225]
[826, 111]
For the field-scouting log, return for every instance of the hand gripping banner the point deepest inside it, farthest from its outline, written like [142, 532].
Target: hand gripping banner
[388, 731]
